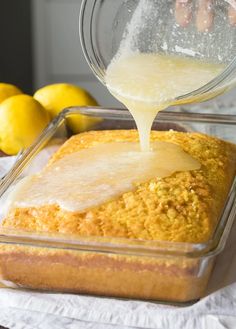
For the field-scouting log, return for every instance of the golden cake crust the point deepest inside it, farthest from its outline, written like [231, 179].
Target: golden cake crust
[182, 207]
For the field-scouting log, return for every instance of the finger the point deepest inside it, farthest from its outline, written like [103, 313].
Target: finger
[204, 17]
[232, 15]
[183, 12]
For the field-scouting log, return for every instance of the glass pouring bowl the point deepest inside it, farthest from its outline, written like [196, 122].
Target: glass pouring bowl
[104, 23]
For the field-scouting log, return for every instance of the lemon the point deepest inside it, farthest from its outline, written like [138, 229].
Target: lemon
[7, 90]
[57, 97]
[22, 119]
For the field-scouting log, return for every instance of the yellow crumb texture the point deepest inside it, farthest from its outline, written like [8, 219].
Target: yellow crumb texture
[183, 207]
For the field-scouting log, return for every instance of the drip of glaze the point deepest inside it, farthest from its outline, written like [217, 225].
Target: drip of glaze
[148, 83]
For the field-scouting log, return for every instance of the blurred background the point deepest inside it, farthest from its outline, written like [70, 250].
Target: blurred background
[40, 45]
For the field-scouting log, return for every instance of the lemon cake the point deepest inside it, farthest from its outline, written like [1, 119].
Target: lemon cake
[184, 206]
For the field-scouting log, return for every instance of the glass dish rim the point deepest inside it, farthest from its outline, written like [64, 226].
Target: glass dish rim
[116, 245]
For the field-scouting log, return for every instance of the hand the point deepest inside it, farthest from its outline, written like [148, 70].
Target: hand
[205, 14]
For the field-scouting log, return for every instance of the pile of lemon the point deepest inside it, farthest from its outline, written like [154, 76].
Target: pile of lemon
[23, 117]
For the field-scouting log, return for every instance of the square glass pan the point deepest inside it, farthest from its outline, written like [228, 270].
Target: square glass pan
[186, 266]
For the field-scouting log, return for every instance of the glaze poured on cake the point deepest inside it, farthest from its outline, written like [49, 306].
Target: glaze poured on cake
[92, 176]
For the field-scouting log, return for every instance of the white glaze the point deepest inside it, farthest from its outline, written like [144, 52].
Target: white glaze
[92, 176]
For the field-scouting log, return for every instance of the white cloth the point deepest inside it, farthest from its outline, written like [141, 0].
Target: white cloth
[29, 310]
[48, 311]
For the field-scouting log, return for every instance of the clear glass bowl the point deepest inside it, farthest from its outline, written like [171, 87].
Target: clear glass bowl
[127, 268]
[103, 24]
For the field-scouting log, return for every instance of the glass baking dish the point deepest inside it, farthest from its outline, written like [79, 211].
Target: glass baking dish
[118, 267]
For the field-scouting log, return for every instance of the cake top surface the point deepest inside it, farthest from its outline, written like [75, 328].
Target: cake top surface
[181, 206]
